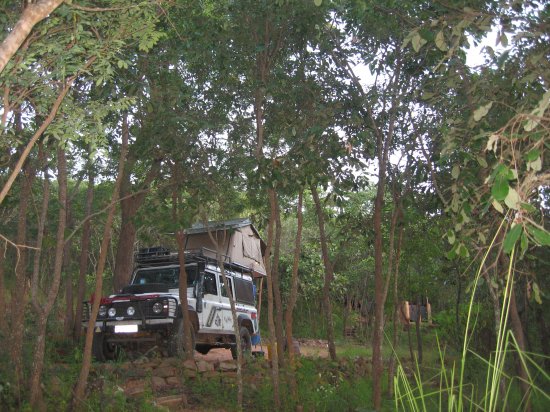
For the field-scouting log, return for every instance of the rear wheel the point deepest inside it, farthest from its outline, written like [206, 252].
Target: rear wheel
[246, 343]
[176, 344]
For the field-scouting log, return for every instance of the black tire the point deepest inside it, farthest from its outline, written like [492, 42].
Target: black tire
[203, 349]
[97, 347]
[246, 343]
[103, 350]
[176, 343]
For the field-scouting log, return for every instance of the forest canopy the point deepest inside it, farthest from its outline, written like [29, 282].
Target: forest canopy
[379, 164]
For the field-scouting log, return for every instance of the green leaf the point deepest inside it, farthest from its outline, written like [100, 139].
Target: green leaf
[512, 199]
[455, 172]
[440, 41]
[511, 238]
[463, 251]
[532, 155]
[498, 206]
[524, 243]
[500, 188]
[535, 165]
[482, 111]
[451, 236]
[538, 112]
[528, 207]
[482, 162]
[542, 237]
[418, 42]
[318, 2]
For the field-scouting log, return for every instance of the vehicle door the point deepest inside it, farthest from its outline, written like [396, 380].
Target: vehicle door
[211, 317]
[227, 316]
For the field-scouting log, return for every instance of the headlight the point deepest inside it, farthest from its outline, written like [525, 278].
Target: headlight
[130, 311]
[157, 308]
[102, 310]
[112, 312]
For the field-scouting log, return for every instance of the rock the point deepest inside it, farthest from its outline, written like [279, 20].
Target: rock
[164, 371]
[137, 373]
[190, 364]
[134, 387]
[204, 366]
[227, 366]
[191, 374]
[172, 402]
[168, 362]
[211, 374]
[173, 381]
[158, 383]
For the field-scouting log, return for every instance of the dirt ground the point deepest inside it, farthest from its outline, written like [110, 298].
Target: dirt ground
[311, 348]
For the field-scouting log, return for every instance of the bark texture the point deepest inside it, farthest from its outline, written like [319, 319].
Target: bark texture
[32, 14]
[84, 250]
[43, 310]
[80, 387]
[329, 274]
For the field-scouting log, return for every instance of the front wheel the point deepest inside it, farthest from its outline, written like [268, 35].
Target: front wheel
[103, 350]
[176, 344]
[246, 343]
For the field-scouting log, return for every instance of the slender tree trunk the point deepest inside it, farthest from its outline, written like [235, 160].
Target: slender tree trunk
[418, 332]
[32, 14]
[3, 306]
[270, 318]
[67, 260]
[279, 330]
[45, 309]
[294, 294]
[396, 312]
[80, 387]
[329, 275]
[129, 206]
[517, 329]
[19, 299]
[124, 261]
[84, 250]
[189, 350]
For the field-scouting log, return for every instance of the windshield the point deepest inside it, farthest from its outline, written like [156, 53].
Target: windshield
[166, 276]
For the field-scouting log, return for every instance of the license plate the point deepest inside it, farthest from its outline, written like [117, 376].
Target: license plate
[126, 328]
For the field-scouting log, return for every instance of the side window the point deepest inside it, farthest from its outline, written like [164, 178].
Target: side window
[222, 286]
[210, 284]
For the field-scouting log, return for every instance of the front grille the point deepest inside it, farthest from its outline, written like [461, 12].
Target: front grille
[143, 309]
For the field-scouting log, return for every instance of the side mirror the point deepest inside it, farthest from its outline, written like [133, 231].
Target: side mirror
[198, 292]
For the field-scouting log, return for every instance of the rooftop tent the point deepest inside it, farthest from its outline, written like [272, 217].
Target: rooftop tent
[238, 240]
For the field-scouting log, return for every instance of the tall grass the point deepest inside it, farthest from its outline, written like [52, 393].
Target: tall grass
[493, 389]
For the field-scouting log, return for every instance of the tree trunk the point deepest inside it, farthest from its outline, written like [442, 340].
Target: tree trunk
[418, 332]
[67, 260]
[32, 14]
[43, 310]
[19, 299]
[279, 331]
[270, 320]
[396, 313]
[124, 261]
[3, 307]
[189, 350]
[329, 275]
[129, 206]
[294, 293]
[517, 329]
[84, 250]
[80, 387]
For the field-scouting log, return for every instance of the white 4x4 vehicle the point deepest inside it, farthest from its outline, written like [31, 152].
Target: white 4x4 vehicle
[148, 312]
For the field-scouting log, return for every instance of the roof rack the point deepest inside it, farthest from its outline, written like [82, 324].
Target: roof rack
[158, 256]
